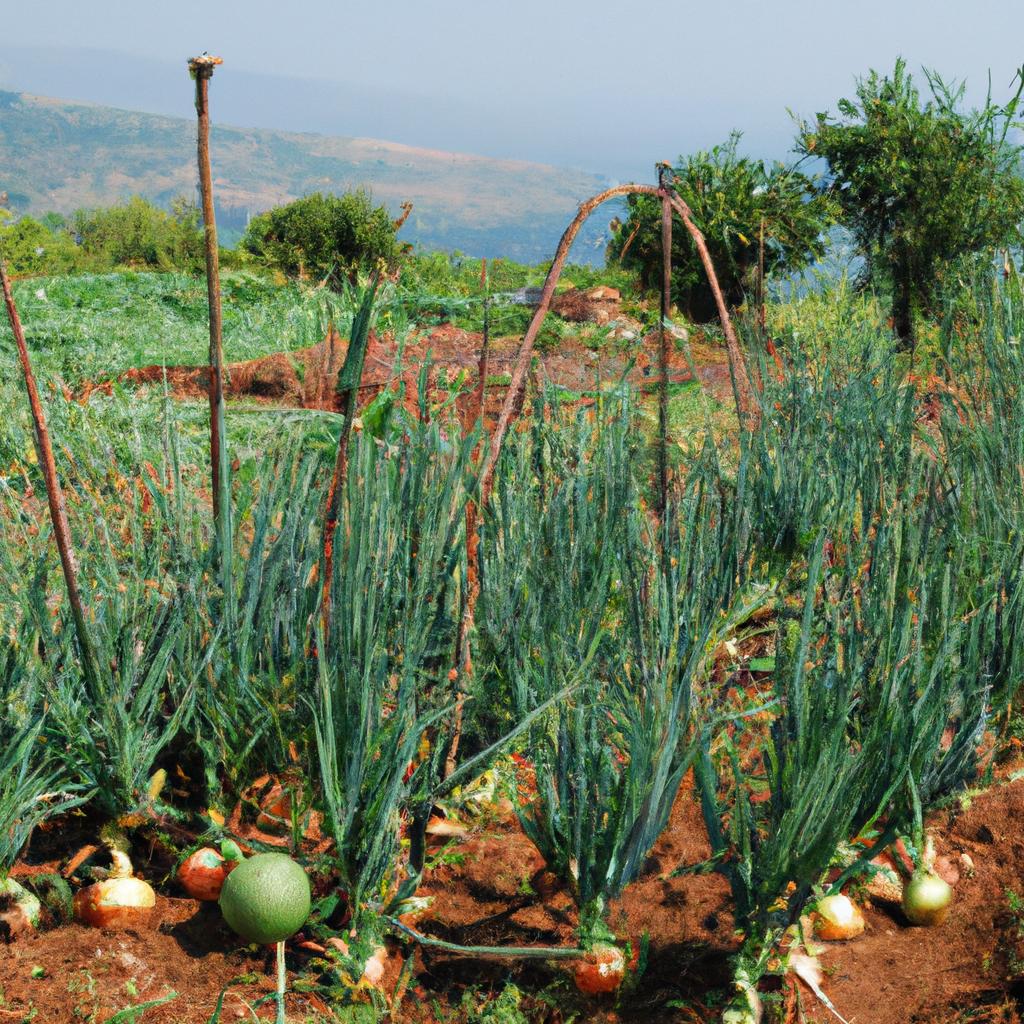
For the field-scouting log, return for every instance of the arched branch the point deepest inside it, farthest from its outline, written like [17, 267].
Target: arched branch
[517, 387]
[513, 397]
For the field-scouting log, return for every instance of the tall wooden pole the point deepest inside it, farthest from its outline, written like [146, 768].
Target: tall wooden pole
[201, 69]
[664, 171]
[54, 491]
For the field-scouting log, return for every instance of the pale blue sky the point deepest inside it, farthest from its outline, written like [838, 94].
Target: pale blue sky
[561, 81]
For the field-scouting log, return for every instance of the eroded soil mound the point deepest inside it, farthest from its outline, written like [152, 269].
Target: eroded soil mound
[307, 378]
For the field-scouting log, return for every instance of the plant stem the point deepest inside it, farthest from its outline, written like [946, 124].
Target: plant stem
[511, 952]
[280, 984]
[54, 492]
[349, 377]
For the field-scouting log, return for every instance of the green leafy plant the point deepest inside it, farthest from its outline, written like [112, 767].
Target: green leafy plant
[920, 183]
[326, 237]
[381, 679]
[734, 200]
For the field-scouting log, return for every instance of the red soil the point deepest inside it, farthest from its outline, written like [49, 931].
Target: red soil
[306, 378]
[500, 894]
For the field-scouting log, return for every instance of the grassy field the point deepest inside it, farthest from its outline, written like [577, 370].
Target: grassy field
[683, 728]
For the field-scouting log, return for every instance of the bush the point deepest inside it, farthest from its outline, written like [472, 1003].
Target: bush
[139, 234]
[325, 237]
[31, 247]
[731, 197]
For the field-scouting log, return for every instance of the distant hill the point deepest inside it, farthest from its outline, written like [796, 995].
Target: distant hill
[56, 155]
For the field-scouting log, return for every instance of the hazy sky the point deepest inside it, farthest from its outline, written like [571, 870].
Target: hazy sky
[568, 82]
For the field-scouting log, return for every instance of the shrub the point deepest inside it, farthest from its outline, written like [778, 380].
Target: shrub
[33, 247]
[326, 237]
[139, 234]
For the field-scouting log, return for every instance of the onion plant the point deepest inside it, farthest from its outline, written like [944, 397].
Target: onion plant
[110, 731]
[32, 787]
[249, 706]
[381, 682]
[584, 593]
[882, 696]
[838, 422]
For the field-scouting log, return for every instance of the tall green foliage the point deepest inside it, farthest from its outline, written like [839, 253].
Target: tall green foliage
[920, 181]
[731, 197]
[381, 676]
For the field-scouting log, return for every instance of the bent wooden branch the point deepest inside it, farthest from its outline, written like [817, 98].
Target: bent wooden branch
[741, 374]
[54, 491]
[517, 389]
[517, 385]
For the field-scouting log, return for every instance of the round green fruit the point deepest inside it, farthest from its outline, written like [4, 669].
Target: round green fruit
[266, 898]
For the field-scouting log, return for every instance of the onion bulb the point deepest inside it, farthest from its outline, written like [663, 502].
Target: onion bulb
[926, 899]
[601, 970]
[375, 966]
[19, 909]
[837, 918]
[373, 969]
[120, 901]
[202, 874]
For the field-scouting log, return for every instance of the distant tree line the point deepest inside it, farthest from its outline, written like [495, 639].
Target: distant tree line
[919, 182]
[131, 234]
[319, 237]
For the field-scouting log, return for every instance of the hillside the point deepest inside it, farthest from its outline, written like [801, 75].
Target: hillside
[62, 156]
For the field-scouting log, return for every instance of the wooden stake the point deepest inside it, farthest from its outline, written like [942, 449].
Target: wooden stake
[54, 491]
[201, 69]
[666, 303]
[742, 376]
[762, 316]
[463, 649]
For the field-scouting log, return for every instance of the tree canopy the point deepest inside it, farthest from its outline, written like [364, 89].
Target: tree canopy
[732, 198]
[920, 182]
[327, 237]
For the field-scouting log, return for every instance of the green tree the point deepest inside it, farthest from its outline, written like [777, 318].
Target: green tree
[327, 237]
[139, 234]
[31, 247]
[731, 196]
[919, 183]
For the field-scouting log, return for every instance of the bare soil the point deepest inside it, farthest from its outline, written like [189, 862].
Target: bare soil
[496, 891]
[307, 378]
